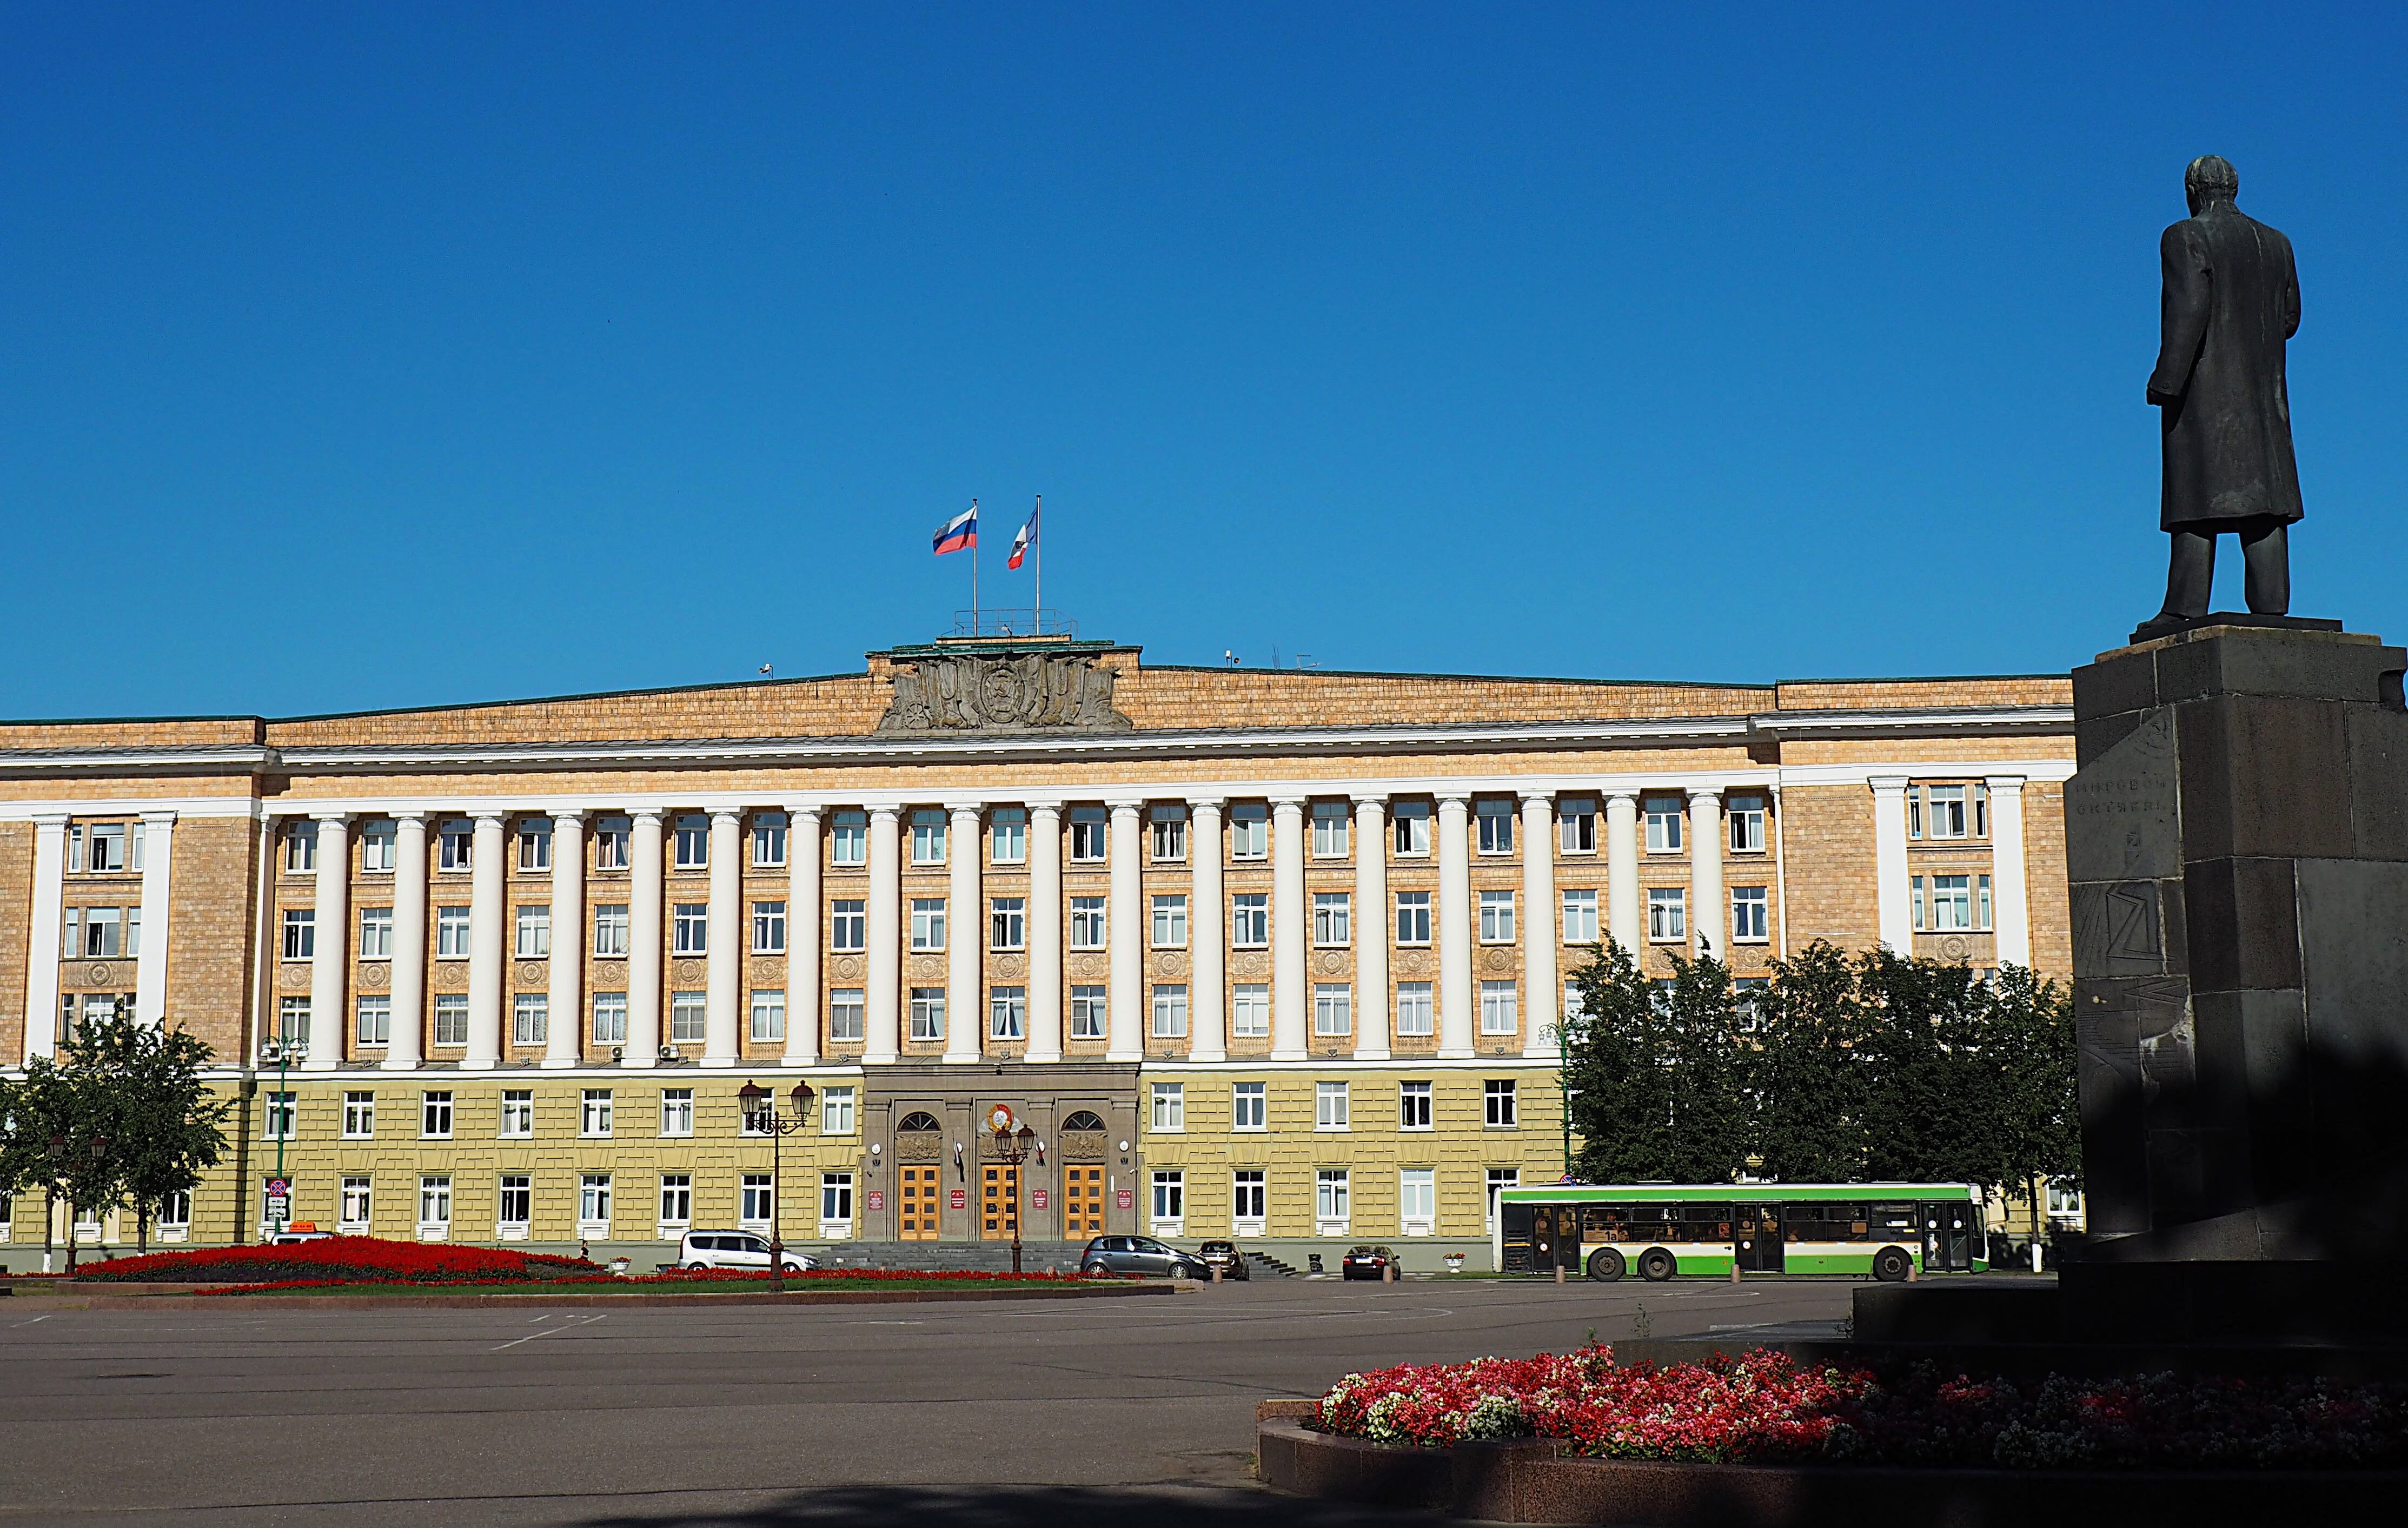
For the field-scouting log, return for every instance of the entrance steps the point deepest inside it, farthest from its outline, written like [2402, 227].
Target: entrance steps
[951, 1256]
[1271, 1263]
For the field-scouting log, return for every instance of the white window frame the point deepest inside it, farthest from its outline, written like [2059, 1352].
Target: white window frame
[1089, 927]
[1668, 915]
[372, 1018]
[506, 1188]
[769, 927]
[530, 1018]
[928, 837]
[594, 1114]
[1090, 1014]
[848, 926]
[1497, 918]
[593, 1208]
[1500, 1008]
[836, 1206]
[1412, 834]
[1333, 830]
[376, 934]
[1333, 1010]
[1665, 817]
[689, 1017]
[1007, 1014]
[1006, 830]
[451, 932]
[1417, 1105]
[1249, 1201]
[435, 1207]
[676, 1114]
[448, 1022]
[676, 1204]
[1416, 1008]
[435, 1114]
[848, 838]
[610, 1018]
[1249, 831]
[1493, 823]
[1333, 920]
[1167, 1113]
[1333, 1201]
[690, 928]
[517, 1121]
[531, 938]
[1412, 919]
[690, 842]
[757, 1202]
[535, 846]
[1250, 920]
[1746, 819]
[1751, 912]
[1169, 835]
[848, 1015]
[1169, 1202]
[1579, 916]
[1250, 1108]
[359, 1114]
[1170, 921]
[376, 847]
[1169, 1022]
[1250, 1010]
[769, 841]
[1416, 1201]
[1332, 1106]
[611, 929]
[356, 1210]
[1576, 827]
[928, 1015]
[1500, 1104]
[1090, 836]
[927, 929]
[1008, 922]
[769, 1016]
[838, 1110]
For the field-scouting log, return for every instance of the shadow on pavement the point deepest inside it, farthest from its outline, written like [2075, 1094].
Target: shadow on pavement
[1036, 1506]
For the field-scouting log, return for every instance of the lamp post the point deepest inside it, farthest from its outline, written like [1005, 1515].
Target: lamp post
[1570, 1093]
[281, 1054]
[1013, 1148]
[61, 1153]
[761, 1117]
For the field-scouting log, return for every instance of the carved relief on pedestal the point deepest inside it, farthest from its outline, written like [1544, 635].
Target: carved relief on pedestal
[973, 692]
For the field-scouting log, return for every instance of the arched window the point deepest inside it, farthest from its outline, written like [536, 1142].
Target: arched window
[921, 1121]
[1084, 1120]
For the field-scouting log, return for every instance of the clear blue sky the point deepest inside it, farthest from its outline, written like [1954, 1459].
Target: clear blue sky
[363, 356]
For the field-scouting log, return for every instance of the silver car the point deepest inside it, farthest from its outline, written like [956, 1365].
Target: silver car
[1139, 1255]
[737, 1249]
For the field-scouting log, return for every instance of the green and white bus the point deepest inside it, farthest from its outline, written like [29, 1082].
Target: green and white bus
[1884, 1230]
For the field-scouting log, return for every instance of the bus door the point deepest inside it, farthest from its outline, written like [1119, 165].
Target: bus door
[1755, 1238]
[1555, 1236]
[1519, 1225]
[1948, 1238]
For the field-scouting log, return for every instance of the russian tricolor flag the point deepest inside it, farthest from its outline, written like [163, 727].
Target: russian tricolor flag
[959, 532]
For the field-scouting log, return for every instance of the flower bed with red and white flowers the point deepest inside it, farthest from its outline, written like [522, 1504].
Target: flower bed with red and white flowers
[349, 1260]
[1764, 1408]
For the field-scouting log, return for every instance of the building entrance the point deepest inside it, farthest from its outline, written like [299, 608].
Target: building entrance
[919, 1220]
[919, 1146]
[1083, 1201]
[998, 1202]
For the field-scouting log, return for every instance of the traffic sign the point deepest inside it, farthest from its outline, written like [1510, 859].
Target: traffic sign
[278, 1187]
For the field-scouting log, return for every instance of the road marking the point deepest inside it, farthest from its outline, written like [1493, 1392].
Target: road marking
[551, 1330]
[35, 1319]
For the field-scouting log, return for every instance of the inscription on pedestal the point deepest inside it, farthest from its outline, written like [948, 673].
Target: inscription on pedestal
[2122, 813]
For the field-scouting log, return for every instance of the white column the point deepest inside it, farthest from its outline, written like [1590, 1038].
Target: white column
[151, 966]
[565, 1039]
[723, 1026]
[487, 949]
[42, 934]
[1291, 926]
[1897, 920]
[1458, 1014]
[1625, 918]
[1709, 909]
[1127, 935]
[1372, 928]
[1208, 937]
[965, 932]
[803, 940]
[644, 939]
[2011, 899]
[1045, 930]
[884, 928]
[331, 945]
[408, 1048]
[1540, 936]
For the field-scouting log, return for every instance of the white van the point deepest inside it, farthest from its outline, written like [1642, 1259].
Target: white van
[737, 1249]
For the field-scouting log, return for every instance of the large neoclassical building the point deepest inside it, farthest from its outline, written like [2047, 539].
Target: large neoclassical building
[1262, 953]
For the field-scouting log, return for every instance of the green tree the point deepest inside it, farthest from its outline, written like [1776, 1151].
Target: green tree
[1660, 1082]
[164, 1123]
[57, 1141]
[1817, 1076]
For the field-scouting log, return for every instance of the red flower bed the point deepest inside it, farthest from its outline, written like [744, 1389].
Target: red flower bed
[343, 1260]
[1765, 1408]
[697, 1276]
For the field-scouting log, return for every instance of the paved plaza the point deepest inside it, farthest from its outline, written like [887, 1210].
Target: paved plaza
[1113, 1411]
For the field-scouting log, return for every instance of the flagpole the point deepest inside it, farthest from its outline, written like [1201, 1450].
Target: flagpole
[974, 619]
[1036, 520]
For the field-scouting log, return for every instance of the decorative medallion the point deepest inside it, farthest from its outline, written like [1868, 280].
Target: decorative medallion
[769, 970]
[1055, 692]
[610, 973]
[531, 973]
[1331, 962]
[1955, 948]
[847, 967]
[375, 977]
[689, 972]
[100, 975]
[1170, 962]
[1499, 961]
[450, 977]
[1413, 962]
[1251, 963]
[1010, 968]
[295, 978]
[1090, 965]
[927, 967]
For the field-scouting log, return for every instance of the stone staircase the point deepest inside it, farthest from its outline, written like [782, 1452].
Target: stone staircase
[951, 1256]
[1271, 1265]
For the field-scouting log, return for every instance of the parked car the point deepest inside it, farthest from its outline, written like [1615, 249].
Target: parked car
[737, 1249]
[1225, 1256]
[1367, 1262]
[290, 1239]
[1139, 1255]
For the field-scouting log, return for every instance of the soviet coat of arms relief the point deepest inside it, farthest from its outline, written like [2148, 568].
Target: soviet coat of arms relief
[972, 692]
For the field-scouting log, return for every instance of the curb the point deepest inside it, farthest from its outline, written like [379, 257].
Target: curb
[538, 1302]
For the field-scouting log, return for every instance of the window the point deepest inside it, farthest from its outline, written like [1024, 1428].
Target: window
[610, 836]
[530, 1019]
[594, 1118]
[1250, 1010]
[1246, 1206]
[770, 840]
[450, 1019]
[434, 1202]
[1329, 1105]
[518, 1113]
[1087, 1013]
[1944, 814]
[1416, 1200]
[593, 1202]
[768, 928]
[291, 1024]
[1497, 918]
[517, 1203]
[836, 1204]
[1413, 1106]
[2064, 1199]
[1007, 1013]
[1414, 1012]
[376, 934]
[1499, 1007]
[1746, 821]
[1006, 834]
[1331, 839]
[1412, 917]
[278, 1116]
[849, 839]
[534, 933]
[1575, 1005]
[1169, 1011]
[1497, 1101]
[1169, 1202]
[1663, 824]
[1412, 829]
[1745, 993]
[1982, 902]
[1580, 916]
[677, 1199]
[847, 1012]
[102, 928]
[1332, 918]
[1009, 922]
[927, 923]
[1751, 914]
[359, 1202]
[769, 1016]
[1170, 923]
[456, 844]
[691, 842]
[677, 1112]
[1330, 1199]
[1248, 1108]
[690, 928]
[848, 926]
[1668, 914]
[610, 928]
[450, 934]
[1250, 832]
[1086, 923]
[1169, 835]
[1501, 1178]
[835, 1112]
[610, 1019]
[376, 847]
[1952, 903]
[927, 1013]
[300, 932]
[928, 837]
[359, 1116]
[1496, 819]
[1249, 919]
[758, 1205]
[435, 1115]
[1333, 1008]
[686, 1018]
[1170, 1107]
[300, 848]
[1088, 827]
[106, 854]
[535, 846]
[376, 1020]
[1576, 827]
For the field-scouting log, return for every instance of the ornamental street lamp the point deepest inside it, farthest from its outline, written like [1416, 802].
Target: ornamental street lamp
[279, 1054]
[761, 1118]
[1013, 1148]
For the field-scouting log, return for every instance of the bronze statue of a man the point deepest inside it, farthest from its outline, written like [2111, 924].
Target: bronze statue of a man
[2231, 301]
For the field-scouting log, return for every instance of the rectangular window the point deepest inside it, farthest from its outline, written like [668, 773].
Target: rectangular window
[359, 1203]
[836, 1205]
[1413, 1106]
[1170, 923]
[1497, 1101]
[691, 842]
[1247, 1200]
[1332, 1204]
[928, 922]
[1580, 916]
[1497, 918]
[768, 928]
[610, 928]
[518, 1113]
[1496, 821]
[758, 1203]
[1332, 919]
[1332, 837]
[686, 1020]
[1412, 917]
[593, 1117]
[534, 940]
[847, 1013]
[1668, 914]
[291, 1024]
[1088, 832]
[1087, 1013]
[769, 1016]
[359, 1116]
[1086, 923]
[1170, 1107]
[1746, 993]
[770, 840]
[690, 928]
[610, 1019]
[1169, 1011]
[1915, 901]
[1944, 815]
[1249, 1109]
[530, 1019]
[1249, 919]
[1250, 1010]
[610, 836]
[435, 1115]
[1751, 914]
[1169, 835]
[836, 1111]
[450, 934]
[848, 926]
[1952, 904]
[849, 839]
[1169, 1202]
[450, 1019]
[1663, 824]
[535, 847]
[928, 837]
[107, 855]
[1008, 922]
[374, 1020]
[1007, 1013]
[927, 1013]
[1982, 902]
[1006, 834]
[1576, 827]
[516, 1199]
[376, 934]
[1333, 1008]
[1746, 824]
[1250, 832]
[677, 1200]
[1412, 823]
[677, 1112]
[1329, 1105]
[1415, 1014]
[102, 933]
[1501, 1178]
[278, 1115]
[300, 932]
[434, 1202]
[1499, 1007]
[300, 848]
[593, 1202]
[1416, 1200]
[377, 847]
[455, 845]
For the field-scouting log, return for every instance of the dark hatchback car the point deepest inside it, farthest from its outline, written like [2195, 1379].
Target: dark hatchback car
[1367, 1263]
[1139, 1255]
[1225, 1256]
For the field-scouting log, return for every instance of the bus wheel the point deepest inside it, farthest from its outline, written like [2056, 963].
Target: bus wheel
[1605, 1266]
[1891, 1265]
[1656, 1266]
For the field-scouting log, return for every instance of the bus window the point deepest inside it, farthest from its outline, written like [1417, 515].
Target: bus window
[1897, 1222]
[1705, 1223]
[1606, 1222]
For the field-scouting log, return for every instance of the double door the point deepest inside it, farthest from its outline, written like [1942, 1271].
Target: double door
[1083, 1201]
[920, 1187]
[1756, 1239]
[999, 1201]
[1948, 1238]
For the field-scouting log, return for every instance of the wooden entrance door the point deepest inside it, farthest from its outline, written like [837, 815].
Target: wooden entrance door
[918, 1222]
[1083, 1201]
[999, 1201]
